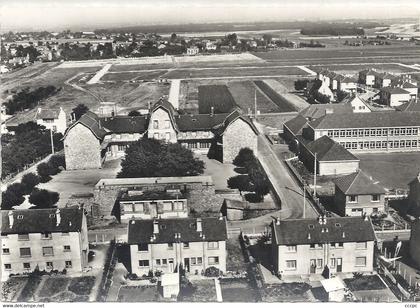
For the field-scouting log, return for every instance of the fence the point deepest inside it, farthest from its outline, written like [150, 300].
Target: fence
[108, 272]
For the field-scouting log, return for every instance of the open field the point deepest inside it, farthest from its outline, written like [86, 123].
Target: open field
[275, 97]
[136, 67]
[216, 98]
[127, 76]
[355, 68]
[392, 170]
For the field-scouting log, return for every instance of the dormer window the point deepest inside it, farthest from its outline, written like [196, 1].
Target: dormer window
[20, 217]
[46, 236]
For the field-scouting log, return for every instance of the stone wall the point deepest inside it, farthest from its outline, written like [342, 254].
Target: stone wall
[82, 149]
[238, 135]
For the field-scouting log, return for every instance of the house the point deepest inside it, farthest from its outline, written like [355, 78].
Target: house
[331, 157]
[192, 51]
[383, 80]
[3, 69]
[357, 103]
[409, 87]
[347, 84]
[414, 194]
[357, 194]
[367, 77]
[44, 239]
[53, 119]
[169, 245]
[415, 242]
[149, 204]
[315, 246]
[394, 97]
[96, 139]
[211, 46]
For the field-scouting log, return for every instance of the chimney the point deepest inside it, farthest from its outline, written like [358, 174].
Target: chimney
[309, 236]
[155, 227]
[58, 216]
[320, 219]
[11, 220]
[278, 221]
[199, 225]
[220, 216]
[211, 110]
[344, 234]
[324, 219]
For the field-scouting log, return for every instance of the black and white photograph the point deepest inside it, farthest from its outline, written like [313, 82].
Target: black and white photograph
[196, 151]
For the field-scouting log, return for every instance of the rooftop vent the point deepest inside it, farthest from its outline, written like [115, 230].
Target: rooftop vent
[311, 226]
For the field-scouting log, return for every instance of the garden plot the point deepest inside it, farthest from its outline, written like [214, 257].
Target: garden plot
[238, 290]
[215, 98]
[66, 289]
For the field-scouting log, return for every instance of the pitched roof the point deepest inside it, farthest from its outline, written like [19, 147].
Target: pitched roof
[369, 71]
[43, 113]
[340, 230]
[235, 204]
[358, 183]
[125, 124]
[315, 111]
[363, 120]
[199, 122]
[91, 121]
[296, 124]
[141, 231]
[232, 117]
[347, 79]
[42, 220]
[411, 106]
[395, 90]
[329, 150]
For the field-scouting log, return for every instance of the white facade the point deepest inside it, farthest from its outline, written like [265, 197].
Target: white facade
[58, 124]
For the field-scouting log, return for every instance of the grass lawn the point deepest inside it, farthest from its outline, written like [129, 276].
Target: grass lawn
[199, 291]
[238, 290]
[287, 292]
[372, 282]
[11, 287]
[216, 96]
[66, 289]
[53, 286]
[236, 260]
[138, 294]
[82, 285]
[283, 104]
[393, 170]
[29, 289]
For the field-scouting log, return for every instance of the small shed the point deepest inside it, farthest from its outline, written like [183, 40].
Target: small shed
[169, 285]
[234, 209]
[335, 288]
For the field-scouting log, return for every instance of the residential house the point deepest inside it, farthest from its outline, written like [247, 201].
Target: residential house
[415, 242]
[383, 80]
[367, 77]
[347, 84]
[44, 239]
[409, 87]
[192, 51]
[53, 119]
[394, 97]
[324, 89]
[357, 194]
[325, 245]
[169, 245]
[358, 104]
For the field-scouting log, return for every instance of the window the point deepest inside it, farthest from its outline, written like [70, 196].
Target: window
[68, 264]
[49, 265]
[213, 245]
[340, 245]
[170, 246]
[333, 262]
[333, 244]
[158, 262]
[26, 265]
[199, 260]
[142, 247]
[25, 252]
[143, 263]
[6, 251]
[47, 251]
[156, 136]
[67, 248]
[291, 248]
[164, 261]
[291, 264]
[312, 246]
[361, 245]
[155, 124]
[23, 237]
[193, 261]
[360, 261]
[213, 260]
[167, 136]
[167, 124]
[352, 199]
[46, 236]
[318, 263]
[121, 147]
[186, 245]
[7, 266]
[376, 198]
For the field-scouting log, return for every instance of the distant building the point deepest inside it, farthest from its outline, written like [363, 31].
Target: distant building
[357, 194]
[347, 84]
[324, 89]
[44, 239]
[54, 119]
[394, 97]
[367, 77]
[358, 104]
[323, 245]
[192, 51]
[383, 80]
[168, 245]
[415, 242]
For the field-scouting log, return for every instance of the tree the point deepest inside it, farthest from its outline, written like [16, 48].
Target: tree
[43, 198]
[57, 161]
[44, 171]
[12, 196]
[29, 181]
[173, 37]
[301, 84]
[240, 182]
[134, 113]
[80, 110]
[244, 156]
[341, 95]
[260, 182]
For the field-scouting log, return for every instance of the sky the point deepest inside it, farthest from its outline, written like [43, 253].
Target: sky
[90, 14]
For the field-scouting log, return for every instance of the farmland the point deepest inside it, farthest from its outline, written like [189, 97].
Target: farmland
[132, 76]
[355, 68]
[216, 96]
[281, 102]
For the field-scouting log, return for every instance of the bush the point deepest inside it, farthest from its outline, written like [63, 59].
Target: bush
[29, 181]
[44, 172]
[57, 161]
[134, 113]
[240, 182]
[212, 272]
[244, 157]
[44, 198]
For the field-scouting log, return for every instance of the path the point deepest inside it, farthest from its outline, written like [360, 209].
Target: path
[99, 74]
[68, 82]
[218, 290]
[174, 92]
[309, 71]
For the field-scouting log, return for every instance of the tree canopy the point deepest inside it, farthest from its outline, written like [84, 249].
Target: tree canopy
[152, 158]
[80, 110]
[43, 198]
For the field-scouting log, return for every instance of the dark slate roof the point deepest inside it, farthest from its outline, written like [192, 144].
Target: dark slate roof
[38, 221]
[347, 79]
[396, 90]
[411, 106]
[199, 122]
[385, 76]
[150, 195]
[125, 124]
[316, 111]
[329, 150]
[91, 121]
[296, 124]
[296, 231]
[141, 230]
[47, 113]
[232, 117]
[358, 183]
[367, 120]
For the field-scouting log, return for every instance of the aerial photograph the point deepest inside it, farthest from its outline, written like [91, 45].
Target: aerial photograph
[197, 151]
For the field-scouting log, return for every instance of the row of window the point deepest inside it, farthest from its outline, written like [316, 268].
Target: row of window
[167, 124]
[355, 199]
[372, 132]
[359, 245]
[396, 144]
[186, 245]
[144, 207]
[46, 251]
[197, 145]
[27, 265]
[192, 260]
[318, 263]
[44, 236]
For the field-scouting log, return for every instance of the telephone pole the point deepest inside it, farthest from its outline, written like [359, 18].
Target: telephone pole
[315, 176]
[304, 199]
[255, 103]
[52, 141]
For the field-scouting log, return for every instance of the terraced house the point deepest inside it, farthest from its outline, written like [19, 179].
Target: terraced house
[167, 245]
[45, 239]
[92, 139]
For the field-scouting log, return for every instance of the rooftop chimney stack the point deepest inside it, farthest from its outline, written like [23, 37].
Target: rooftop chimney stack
[309, 236]
[155, 227]
[199, 225]
[58, 216]
[278, 221]
[211, 110]
[11, 219]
